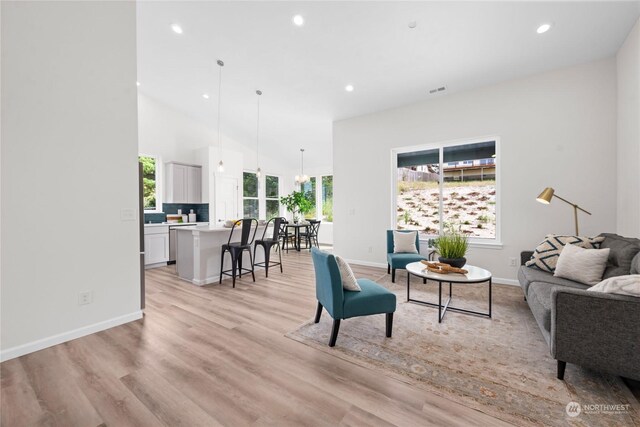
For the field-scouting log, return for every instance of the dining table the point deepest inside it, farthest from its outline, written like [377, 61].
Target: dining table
[296, 230]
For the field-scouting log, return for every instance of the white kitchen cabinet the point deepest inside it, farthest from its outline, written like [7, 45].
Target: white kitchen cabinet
[183, 183]
[194, 184]
[156, 245]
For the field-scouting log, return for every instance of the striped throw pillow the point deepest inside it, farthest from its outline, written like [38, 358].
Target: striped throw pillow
[546, 255]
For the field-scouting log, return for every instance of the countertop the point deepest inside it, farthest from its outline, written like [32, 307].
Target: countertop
[161, 224]
[211, 228]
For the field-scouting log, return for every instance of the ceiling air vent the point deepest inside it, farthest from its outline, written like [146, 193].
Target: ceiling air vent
[437, 90]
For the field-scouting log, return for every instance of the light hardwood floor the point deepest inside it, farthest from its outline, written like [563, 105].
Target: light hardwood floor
[215, 356]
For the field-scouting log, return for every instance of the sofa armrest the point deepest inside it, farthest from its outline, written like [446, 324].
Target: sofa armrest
[596, 330]
[525, 256]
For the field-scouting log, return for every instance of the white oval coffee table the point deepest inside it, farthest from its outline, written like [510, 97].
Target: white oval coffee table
[474, 275]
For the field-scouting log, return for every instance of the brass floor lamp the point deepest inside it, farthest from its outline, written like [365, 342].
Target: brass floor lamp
[549, 193]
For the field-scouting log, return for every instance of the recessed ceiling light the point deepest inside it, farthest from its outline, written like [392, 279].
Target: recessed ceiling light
[176, 28]
[349, 88]
[543, 28]
[137, 83]
[298, 20]
[205, 95]
[413, 24]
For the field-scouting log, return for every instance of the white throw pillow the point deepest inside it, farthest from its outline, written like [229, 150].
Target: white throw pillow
[404, 242]
[349, 281]
[623, 285]
[582, 265]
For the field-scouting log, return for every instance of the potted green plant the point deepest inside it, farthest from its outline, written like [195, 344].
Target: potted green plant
[296, 203]
[452, 247]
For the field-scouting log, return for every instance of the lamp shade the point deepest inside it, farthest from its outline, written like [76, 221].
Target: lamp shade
[545, 196]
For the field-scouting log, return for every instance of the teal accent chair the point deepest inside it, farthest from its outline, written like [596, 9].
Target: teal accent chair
[343, 304]
[400, 260]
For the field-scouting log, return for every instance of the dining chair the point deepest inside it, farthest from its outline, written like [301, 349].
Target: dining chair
[285, 236]
[400, 260]
[267, 243]
[311, 235]
[237, 249]
[343, 304]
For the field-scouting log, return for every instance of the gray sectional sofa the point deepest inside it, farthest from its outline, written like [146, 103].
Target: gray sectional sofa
[592, 329]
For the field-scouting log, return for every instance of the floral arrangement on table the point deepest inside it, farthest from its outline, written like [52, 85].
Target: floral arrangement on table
[296, 203]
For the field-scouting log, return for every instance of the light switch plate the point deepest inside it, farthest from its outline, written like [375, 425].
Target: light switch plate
[127, 214]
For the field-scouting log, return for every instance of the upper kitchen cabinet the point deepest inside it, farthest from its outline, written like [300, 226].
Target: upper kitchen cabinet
[184, 183]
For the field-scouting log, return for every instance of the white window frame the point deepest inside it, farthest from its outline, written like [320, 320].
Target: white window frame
[320, 192]
[265, 198]
[318, 195]
[260, 191]
[473, 241]
[159, 182]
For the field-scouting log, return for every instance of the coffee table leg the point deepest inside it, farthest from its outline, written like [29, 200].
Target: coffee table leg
[439, 301]
[408, 284]
[489, 297]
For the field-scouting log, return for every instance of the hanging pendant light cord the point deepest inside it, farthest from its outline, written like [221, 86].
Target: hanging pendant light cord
[221, 64]
[258, 132]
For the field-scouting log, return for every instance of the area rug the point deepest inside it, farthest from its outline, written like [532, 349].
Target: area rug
[499, 366]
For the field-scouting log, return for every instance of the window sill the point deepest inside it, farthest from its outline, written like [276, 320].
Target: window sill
[486, 245]
[477, 245]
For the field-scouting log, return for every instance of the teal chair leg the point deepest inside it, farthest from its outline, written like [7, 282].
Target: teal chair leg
[318, 312]
[389, 324]
[393, 275]
[334, 332]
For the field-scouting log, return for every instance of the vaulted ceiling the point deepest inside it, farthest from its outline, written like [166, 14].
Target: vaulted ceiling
[303, 70]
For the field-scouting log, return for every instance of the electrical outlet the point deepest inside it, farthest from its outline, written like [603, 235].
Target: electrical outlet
[85, 298]
[513, 262]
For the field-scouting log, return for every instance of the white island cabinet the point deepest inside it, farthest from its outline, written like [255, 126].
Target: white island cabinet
[199, 250]
[156, 245]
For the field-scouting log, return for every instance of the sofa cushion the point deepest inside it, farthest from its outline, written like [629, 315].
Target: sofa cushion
[548, 251]
[635, 264]
[623, 251]
[527, 275]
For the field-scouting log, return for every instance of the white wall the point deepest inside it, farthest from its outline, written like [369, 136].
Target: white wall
[628, 65]
[556, 129]
[69, 165]
[177, 137]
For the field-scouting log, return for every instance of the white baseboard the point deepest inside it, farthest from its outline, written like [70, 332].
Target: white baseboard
[21, 350]
[502, 281]
[367, 263]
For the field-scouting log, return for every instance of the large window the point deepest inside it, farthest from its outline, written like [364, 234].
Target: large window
[272, 196]
[327, 198]
[250, 201]
[448, 186]
[309, 190]
[319, 191]
[149, 181]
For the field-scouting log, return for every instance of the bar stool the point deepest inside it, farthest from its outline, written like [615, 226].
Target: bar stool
[236, 249]
[267, 244]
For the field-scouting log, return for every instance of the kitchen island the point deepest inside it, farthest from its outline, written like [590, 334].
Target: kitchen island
[199, 249]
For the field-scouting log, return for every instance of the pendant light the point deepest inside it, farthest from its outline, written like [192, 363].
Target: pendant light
[258, 171]
[302, 178]
[220, 163]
